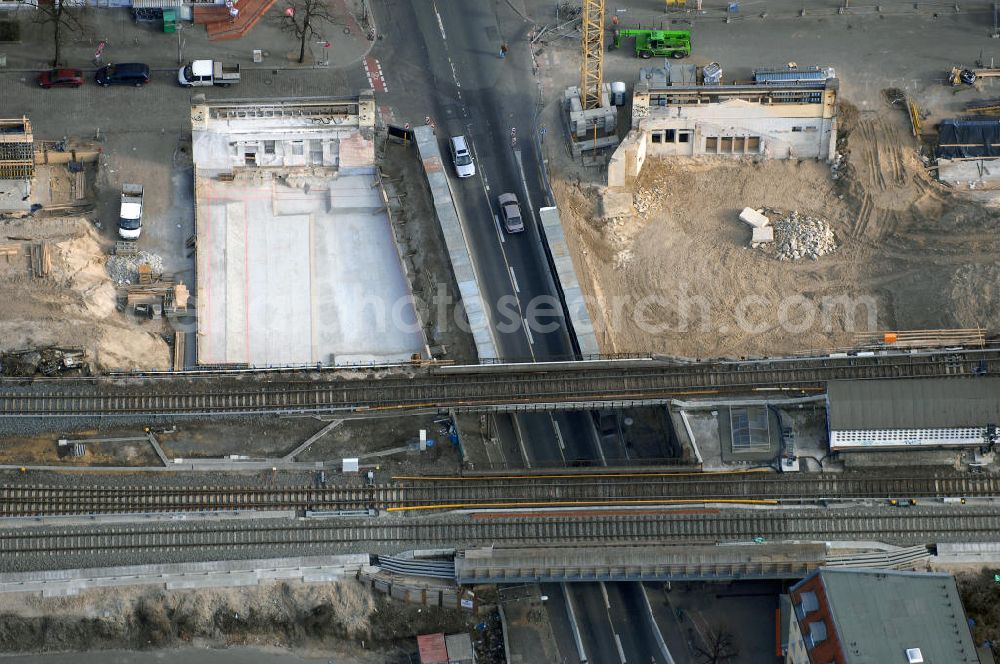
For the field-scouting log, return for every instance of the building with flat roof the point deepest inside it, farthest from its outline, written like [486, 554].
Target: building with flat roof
[297, 262]
[779, 114]
[866, 616]
[922, 412]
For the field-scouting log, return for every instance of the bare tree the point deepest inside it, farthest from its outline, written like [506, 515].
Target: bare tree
[718, 647]
[304, 19]
[63, 18]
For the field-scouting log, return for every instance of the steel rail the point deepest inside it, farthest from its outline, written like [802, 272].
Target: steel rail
[487, 388]
[443, 492]
[913, 525]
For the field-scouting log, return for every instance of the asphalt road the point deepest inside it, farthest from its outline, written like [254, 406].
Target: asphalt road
[452, 50]
[461, 83]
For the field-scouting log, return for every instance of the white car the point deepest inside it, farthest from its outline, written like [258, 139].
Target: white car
[464, 167]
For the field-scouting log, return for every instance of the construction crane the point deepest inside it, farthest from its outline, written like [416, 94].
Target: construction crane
[592, 67]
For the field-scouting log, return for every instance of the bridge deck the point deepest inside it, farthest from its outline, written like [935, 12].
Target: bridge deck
[505, 388]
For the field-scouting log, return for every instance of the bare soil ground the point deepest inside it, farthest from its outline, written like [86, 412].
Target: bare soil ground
[676, 275]
[76, 304]
[262, 438]
[416, 227]
[335, 618]
[44, 450]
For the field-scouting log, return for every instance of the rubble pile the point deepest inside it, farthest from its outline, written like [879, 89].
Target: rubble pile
[49, 361]
[124, 268]
[799, 236]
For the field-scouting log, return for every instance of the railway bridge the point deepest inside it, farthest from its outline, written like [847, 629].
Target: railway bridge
[580, 385]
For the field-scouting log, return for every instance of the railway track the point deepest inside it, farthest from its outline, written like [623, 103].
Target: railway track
[488, 387]
[915, 525]
[413, 494]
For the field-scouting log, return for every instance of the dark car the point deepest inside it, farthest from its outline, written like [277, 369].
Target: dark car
[61, 78]
[127, 73]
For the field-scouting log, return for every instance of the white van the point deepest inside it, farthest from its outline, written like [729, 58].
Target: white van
[460, 154]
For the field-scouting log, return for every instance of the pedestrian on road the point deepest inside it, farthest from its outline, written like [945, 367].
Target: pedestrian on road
[503, 50]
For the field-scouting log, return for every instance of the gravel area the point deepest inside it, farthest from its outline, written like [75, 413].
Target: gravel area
[124, 269]
[238, 551]
[800, 236]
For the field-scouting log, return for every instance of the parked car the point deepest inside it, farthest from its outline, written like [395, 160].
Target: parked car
[127, 73]
[510, 210]
[130, 217]
[208, 72]
[61, 78]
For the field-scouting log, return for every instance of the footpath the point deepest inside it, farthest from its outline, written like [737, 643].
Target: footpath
[127, 40]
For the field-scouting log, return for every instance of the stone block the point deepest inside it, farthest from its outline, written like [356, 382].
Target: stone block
[753, 218]
[762, 236]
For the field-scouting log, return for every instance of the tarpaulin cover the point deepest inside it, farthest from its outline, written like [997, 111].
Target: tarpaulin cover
[968, 138]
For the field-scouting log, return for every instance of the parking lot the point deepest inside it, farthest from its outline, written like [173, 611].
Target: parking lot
[144, 132]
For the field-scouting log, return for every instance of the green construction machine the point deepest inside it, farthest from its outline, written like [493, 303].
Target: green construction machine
[659, 43]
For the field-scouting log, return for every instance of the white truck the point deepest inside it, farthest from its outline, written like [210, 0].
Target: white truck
[208, 72]
[130, 216]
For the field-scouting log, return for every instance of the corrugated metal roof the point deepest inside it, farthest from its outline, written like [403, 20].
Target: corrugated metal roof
[155, 4]
[459, 649]
[925, 403]
[881, 613]
[432, 649]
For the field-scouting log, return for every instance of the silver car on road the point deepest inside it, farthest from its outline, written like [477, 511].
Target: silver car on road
[510, 210]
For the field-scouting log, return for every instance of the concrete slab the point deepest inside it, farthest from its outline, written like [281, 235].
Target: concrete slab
[753, 218]
[301, 274]
[762, 236]
[216, 574]
[297, 262]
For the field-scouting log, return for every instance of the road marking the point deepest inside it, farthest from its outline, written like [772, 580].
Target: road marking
[655, 627]
[527, 332]
[388, 117]
[524, 184]
[440, 22]
[559, 438]
[600, 445]
[520, 441]
[621, 651]
[604, 592]
[496, 223]
[373, 70]
[513, 279]
[574, 627]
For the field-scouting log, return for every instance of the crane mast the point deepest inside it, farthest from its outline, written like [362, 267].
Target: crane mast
[592, 66]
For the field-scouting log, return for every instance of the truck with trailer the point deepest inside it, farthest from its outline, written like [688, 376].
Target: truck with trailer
[658, 43]
[208, 72]
[130, 215]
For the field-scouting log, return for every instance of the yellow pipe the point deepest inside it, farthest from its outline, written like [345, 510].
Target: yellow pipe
[439, 478]
[675, 501]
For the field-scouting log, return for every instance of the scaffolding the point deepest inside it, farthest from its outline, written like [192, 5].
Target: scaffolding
[17, 150]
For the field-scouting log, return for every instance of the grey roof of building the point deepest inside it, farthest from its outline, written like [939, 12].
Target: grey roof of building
[879, 614]
[920, 403]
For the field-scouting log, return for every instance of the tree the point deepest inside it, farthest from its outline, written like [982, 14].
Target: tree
[718, 647]
[304, 18]
[62, 17]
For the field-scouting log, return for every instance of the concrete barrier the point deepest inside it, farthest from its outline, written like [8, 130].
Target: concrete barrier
[567, 283]
[456, 241]
[216, 574]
